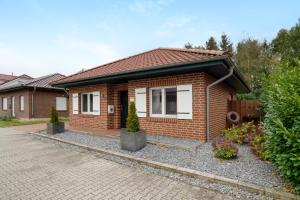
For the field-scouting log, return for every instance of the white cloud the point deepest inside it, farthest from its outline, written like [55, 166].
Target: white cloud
[14, 60]
[66, 55]
[146, 7]
[173, 25]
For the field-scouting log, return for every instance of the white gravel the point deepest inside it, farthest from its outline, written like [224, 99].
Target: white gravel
[247, 167]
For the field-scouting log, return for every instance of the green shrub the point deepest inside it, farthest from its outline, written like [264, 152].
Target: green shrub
[258, 144]
[281, 105]
[240, 133]
[54, 116]
[224, 148]
[225, 152]
[132, 119]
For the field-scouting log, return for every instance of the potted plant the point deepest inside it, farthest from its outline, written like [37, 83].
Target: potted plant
[55, 126]
[132, 138]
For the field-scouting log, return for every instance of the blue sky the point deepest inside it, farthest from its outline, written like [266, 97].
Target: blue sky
[38, 37]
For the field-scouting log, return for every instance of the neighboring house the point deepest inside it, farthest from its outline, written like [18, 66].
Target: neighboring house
[5, 78]
[168, 87]
[26, 97]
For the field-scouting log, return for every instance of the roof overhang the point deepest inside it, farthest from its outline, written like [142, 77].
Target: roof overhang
[22, 87]
[216, 66]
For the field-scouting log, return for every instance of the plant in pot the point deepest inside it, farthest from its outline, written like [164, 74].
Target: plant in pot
[132, 138]
[55, 126]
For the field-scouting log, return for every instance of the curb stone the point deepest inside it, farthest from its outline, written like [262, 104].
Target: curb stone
[186, 171]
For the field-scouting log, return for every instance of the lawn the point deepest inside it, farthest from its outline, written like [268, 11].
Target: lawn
[8, 122]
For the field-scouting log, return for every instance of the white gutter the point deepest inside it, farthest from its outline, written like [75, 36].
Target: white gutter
[208, 100]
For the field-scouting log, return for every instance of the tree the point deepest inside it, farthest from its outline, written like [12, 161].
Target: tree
[226, 45]
[256, 61]
[211, 44]
[188, 45]
[287, 43]
[132, 119]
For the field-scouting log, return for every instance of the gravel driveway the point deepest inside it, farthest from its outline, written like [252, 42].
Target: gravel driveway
[246, 167]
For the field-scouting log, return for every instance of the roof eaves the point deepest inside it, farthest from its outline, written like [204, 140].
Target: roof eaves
[214, 58]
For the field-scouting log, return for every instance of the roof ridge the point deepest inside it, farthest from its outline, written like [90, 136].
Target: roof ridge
[42, 78]
[202, 51]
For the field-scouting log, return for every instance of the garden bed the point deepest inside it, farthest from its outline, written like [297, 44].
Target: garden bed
[247, 167]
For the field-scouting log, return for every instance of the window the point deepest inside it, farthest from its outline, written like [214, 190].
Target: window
[90, 103]
[21, 103]
[171, 101]
[61, 103]
[163, 102]
[4, 103]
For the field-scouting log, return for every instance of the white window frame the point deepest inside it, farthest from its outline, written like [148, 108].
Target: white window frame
[22, 102]
[4, 106]
[63, 100]
[163, 102]
[88, 103]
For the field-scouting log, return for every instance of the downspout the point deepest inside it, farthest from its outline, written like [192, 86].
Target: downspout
[208, 100]
[32, 102]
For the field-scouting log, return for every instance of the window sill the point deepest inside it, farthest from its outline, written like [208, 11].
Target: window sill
[162, 119]
[87, 115]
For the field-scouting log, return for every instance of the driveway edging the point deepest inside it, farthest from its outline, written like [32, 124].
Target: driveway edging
[185, 171]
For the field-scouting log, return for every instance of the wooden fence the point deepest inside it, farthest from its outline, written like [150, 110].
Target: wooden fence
[247, 109]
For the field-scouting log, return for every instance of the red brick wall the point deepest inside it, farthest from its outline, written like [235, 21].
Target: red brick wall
[18, 113]
[185, 128]
[43, 101]
[89, 122]
[219, 95]
[193, 128]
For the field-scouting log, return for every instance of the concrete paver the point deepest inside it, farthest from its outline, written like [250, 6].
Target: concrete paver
[33, 169]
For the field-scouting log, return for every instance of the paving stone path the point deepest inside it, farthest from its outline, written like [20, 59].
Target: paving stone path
[33, 169]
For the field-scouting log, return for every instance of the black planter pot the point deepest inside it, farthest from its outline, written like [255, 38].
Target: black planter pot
[53, 128]
[132, 141]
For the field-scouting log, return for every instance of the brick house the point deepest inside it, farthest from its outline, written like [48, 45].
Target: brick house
[169, 87]
[27, 97]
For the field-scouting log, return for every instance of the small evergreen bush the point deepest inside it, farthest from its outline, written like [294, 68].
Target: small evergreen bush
[132, 119]
[54, 116]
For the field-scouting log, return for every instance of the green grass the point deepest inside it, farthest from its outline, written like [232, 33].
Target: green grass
[8, 122]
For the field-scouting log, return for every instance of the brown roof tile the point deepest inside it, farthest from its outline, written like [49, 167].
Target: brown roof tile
[147, 60]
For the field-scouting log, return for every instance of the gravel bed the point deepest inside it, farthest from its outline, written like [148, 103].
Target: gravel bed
[225, 189]
[247, 167]
[186, 143]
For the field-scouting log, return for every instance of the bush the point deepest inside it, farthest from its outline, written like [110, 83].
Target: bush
[224, 149]
[54, 116]
[240, 134]
[281, 104]
[258, 144]
[132, 119]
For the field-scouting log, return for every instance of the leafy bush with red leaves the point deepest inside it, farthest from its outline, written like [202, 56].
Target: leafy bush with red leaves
[224, 148]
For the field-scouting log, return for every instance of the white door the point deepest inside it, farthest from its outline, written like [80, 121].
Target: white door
[13, 106]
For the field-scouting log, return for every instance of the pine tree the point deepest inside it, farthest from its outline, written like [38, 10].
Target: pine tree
[211, 44]
[226, 45]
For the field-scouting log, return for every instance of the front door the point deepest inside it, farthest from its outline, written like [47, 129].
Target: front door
[13, 106]
[124, 107]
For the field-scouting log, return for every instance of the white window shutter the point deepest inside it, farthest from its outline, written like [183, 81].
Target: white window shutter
[75, 103]
[140, 102]
[96, 103]
[184, 102]
[61, 103]
[22, 103]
